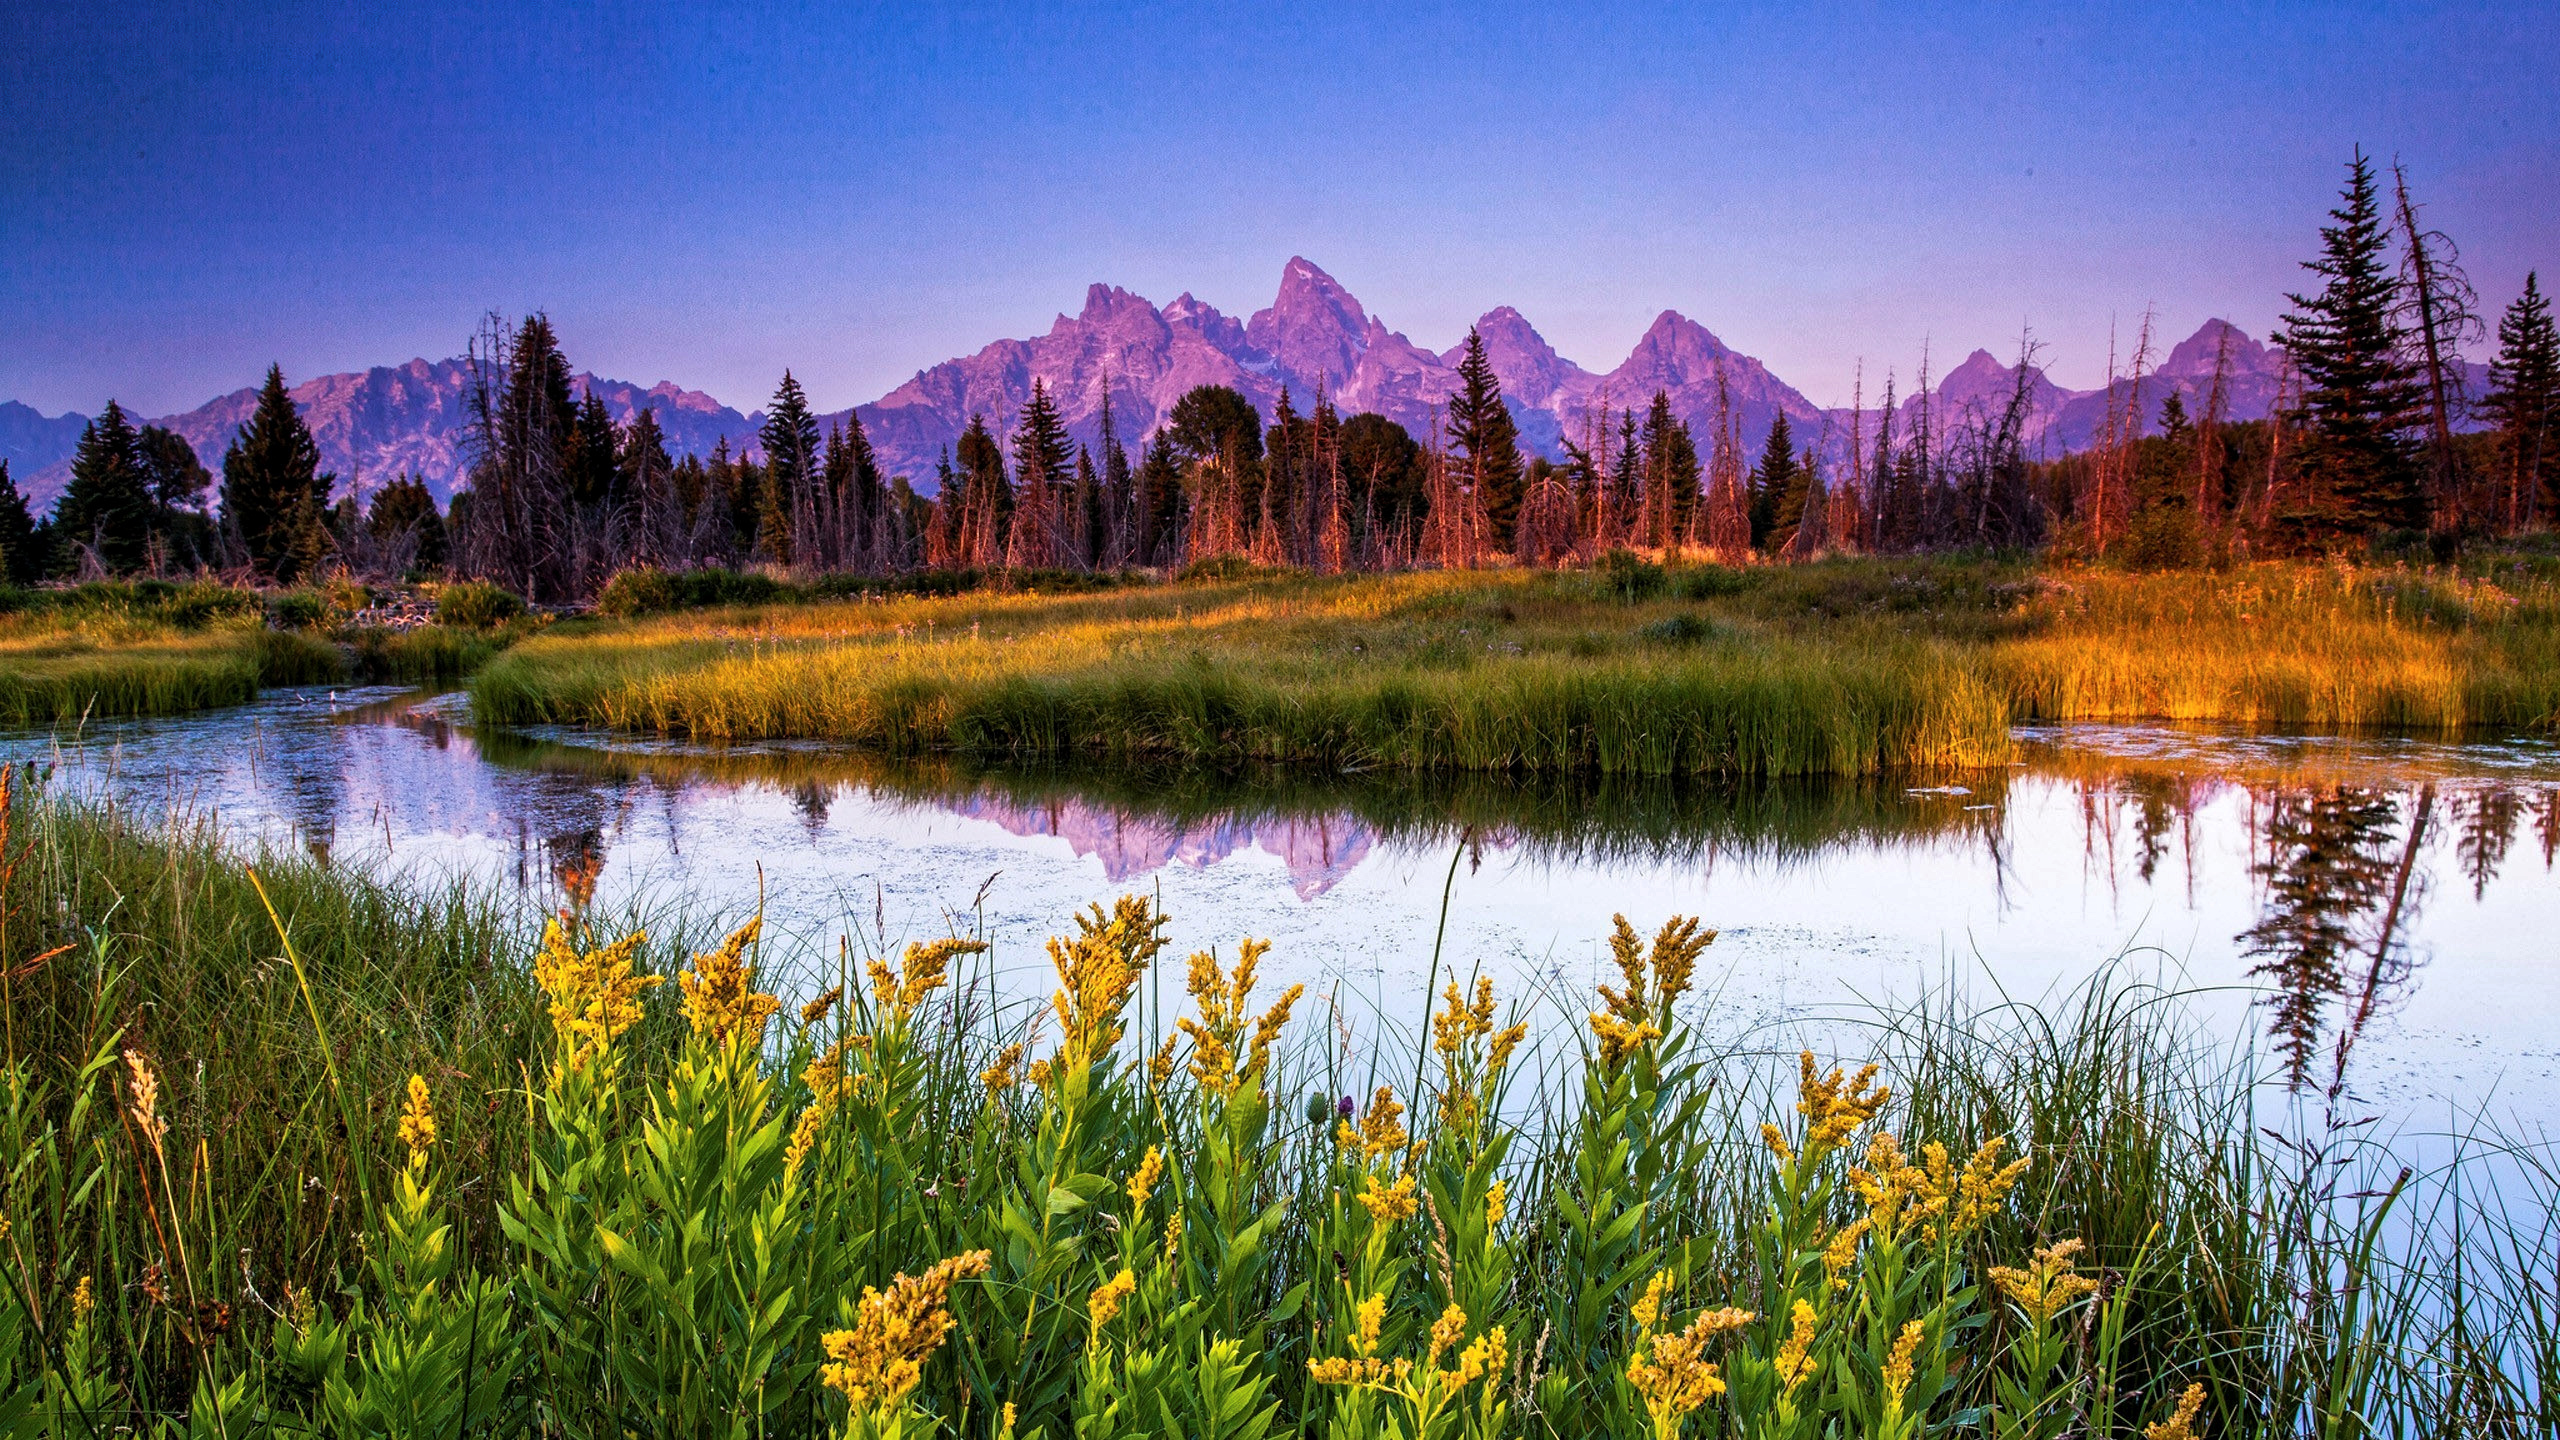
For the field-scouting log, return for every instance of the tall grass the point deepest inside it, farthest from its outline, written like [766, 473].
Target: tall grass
[1844, 668]
[613, 1206]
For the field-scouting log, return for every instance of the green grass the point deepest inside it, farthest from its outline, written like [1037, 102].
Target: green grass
[228, 1262]
[1843, 667]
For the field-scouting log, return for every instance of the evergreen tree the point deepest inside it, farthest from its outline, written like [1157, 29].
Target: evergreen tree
[1119, 493]
[2359, 393]
[1089, 517]
[1158, 501]
[645, 476]
[791, 465]
[21, 561]
[178, 479]
[1043, 472]
[270, 473]
[985, 514]
[2524, 402]
[1487, 443]
[407, 507]
[1774, 483]
[1382, 465]
[1671, 474]
[872, 524]
[108, 504]
[589, 461]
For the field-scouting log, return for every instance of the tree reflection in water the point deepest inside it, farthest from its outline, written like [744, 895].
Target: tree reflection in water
[2341, 883]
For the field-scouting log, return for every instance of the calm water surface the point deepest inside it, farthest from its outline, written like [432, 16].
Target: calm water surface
[2385, 907]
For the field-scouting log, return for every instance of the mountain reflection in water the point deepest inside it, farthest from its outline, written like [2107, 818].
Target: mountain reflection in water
[2353, 887]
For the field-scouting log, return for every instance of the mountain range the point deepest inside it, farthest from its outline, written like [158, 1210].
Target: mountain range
[1314, 337]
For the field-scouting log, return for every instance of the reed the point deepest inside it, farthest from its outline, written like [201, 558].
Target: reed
[600, 1191]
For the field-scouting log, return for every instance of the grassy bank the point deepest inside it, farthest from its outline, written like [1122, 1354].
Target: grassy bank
[1843, 667]
[155, 648]
[614, 1206]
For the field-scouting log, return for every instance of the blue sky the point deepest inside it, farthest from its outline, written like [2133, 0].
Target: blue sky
[709, 194]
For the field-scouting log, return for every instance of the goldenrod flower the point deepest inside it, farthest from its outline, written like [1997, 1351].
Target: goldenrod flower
[594, 995]
[2181, 1422]
[1391, 1203]
[1381, 1130]
[1485, 1355]
[1618, 1037]
[1142, 1183]
[1223, 1053]
[1672, 1372]
[720, 995]
[877, 1362]
[1446, 1331]
[1098, 970]
[1368, 1318]
[1795, 1357]
[1842, 1252]
[418, 1121]
[818, 1009]
[1776, 1140]
[1833, 1106]
[1676, 947]
[1362, 1367]
[1001, 1075]
[146, 1099]
[84, 1300]
[1104, 1303]
[1648, 1310]
[2049, 1285]
[1972, 1195]
[1495, 1197]
[1173, 1237]
[923, 969]
[1897, 1366]
[805, 1131]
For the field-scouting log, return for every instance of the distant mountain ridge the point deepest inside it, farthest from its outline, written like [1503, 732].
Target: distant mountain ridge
[1314, 338]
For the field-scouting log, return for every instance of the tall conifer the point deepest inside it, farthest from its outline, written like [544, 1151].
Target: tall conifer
[21, 563]
[2524, 403]
[269, 472]
[108, 504]
[1487, 442]
[2359, 393]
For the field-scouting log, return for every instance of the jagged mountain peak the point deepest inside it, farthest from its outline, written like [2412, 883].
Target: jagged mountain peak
[1314, 329]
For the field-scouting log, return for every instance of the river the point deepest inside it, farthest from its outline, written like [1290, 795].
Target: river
[2379, 914]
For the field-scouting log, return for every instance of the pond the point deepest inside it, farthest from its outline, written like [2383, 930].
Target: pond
[2382, 914]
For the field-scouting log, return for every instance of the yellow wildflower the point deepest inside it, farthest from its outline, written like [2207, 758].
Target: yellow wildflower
[1672, 1372]
[1619, 1037]
[2049, 1285]
[1391, 1203]
[1104, 1303]
[1648, 1310]
[1223, 1053]
[1484, 1355]
[1173, 1237]
[1143, 1182]
[805, 1131]
[594, 995]
[1381, 1130]
[1368, 1318]
[1098, 970]
[1897, 1193]
[925, 968]
[820, 1008]
[1676, 947]
[1897, 1366]
[1965, 1198]
[1776, 1140]
[1446, 1331]
[1008, 1418]
[418, 1121]
[878, 1361]
[84, 1300]
[1833, 1106]
[720, 996]
[1496, 1196]
[1795, 1357]
[2181, 1424]
[1842, 1252]
[1001, 1075]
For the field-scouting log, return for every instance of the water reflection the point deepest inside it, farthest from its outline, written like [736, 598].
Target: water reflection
[2305, 870]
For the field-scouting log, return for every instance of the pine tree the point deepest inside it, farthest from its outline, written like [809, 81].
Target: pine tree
[2359, 393]
[407, 507]
[588, 457]
[21, 562]
[786, 516]
[2524, 403]
[645, 476]
[1775, 486]
[1043, 472]
[1119, 492]
[108, 504]
[270, 468]
[1158, 502]
[1487, 444]
[986, 499]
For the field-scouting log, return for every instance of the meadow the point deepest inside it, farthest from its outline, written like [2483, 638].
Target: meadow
[1842, 667]
[297, 1149]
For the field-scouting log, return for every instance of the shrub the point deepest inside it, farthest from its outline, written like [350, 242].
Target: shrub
[1682, 629]
[476, 605]
[639, 590]
[298, 610]
[1706, 582]
[1632, 578]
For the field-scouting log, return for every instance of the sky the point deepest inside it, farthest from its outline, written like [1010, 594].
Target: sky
[709, 194]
